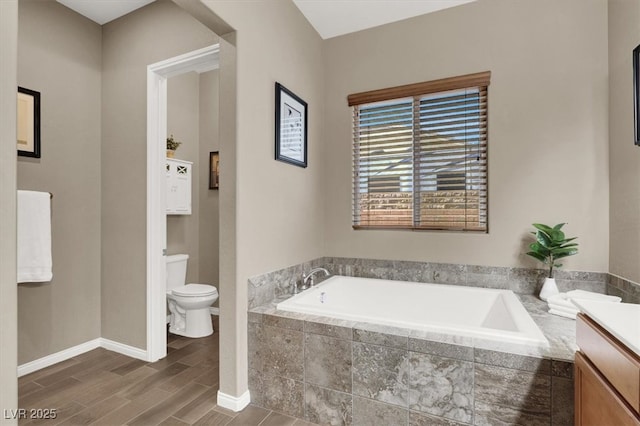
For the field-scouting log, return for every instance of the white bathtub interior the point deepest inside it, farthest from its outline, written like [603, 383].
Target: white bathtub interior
[466, 311]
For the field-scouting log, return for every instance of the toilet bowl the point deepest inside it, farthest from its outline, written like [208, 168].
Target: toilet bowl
[189, 304]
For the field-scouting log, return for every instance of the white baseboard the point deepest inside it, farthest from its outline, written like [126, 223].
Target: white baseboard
[57, 357]
[232, 403]
[214, 311]
[68, 353]
[123, 349]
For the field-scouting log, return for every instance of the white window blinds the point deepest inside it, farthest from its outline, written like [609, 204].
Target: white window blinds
[420, 155]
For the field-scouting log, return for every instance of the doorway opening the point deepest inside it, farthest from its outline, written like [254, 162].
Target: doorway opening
[157, 75]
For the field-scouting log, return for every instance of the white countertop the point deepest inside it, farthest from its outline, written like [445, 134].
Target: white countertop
[620, 319]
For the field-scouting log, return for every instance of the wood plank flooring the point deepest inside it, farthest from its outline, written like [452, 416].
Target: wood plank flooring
[105, 388]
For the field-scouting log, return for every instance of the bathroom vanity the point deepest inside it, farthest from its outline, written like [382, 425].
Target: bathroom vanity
[607, 376]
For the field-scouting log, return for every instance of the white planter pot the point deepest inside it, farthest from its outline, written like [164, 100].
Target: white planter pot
[549, 288]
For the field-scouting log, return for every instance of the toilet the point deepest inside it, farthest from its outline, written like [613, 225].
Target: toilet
[189, 304]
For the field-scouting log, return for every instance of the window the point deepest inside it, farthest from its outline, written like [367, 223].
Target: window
[420, 155]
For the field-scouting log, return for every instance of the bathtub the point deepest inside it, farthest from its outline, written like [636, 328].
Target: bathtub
[473, 312]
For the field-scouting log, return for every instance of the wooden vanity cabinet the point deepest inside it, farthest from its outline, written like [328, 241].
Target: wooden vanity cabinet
[607, 378]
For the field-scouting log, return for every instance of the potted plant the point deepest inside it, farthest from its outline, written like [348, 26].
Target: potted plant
[550, 246]
[172, 145]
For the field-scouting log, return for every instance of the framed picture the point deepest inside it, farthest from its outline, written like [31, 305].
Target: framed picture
[636, 94]
[28, 123]
[291, 127]
[214, 170]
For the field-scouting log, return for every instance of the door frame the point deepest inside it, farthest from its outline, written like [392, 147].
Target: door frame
[200, 60]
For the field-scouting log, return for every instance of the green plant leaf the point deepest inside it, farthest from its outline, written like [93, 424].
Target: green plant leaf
[561, 255]
[569, 245]
[559, 226]
[542, 227]
[540, 249]
[536, 255]
[543, 238]
[557, 235]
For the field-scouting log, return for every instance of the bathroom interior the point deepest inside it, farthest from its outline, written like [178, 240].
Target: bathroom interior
[560, 149]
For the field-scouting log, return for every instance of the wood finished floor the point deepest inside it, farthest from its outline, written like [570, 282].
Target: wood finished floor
[105, 388]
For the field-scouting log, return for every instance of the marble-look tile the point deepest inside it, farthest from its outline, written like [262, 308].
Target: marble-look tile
[504, 395]
[615, 291]
[562, 369]
[367, 412]
[282, 352]
[381, 373]
[562, 402]
[441, 349]
[377, 338]
[562, 274]
[327, 362]
[327, 407]
[256, 387]
[259, 293]
[441, 386]
[421, 419]
[254, 317]
[277, 393]
[256, 350]
[525, 280]
[487, 276]
[331, 330]
[283, 322]
[513, 361]
[568, 285]
[447, 273]
[487, 414]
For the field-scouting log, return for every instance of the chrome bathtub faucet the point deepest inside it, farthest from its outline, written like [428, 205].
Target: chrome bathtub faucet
[308, 280]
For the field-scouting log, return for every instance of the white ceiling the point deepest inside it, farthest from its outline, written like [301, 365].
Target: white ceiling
[103, 11]
[332, 18]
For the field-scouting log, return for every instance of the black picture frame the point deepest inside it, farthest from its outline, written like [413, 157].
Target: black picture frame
[214, 170]
[28, 123]
[291, 127]
[636, 95]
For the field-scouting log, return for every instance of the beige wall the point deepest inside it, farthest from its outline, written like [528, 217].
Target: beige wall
[151, 34]
[59, 55]
[209, 199]
[624, 157]
[183, 231]
[547, 124]
[8, 288]
[279, 217]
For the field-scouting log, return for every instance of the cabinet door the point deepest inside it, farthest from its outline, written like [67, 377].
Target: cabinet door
[182, 184]
[596, 402]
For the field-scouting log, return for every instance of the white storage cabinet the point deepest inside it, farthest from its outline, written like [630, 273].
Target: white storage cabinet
[178, 186]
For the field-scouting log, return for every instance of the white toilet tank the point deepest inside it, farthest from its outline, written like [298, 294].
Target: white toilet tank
[176, 270]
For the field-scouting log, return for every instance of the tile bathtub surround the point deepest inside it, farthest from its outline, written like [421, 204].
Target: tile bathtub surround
[278, 284]
[520, 280]
[349, 374]
[627, 290]
[266, 287]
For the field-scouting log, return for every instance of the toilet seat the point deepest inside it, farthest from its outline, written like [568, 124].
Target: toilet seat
[195, 290]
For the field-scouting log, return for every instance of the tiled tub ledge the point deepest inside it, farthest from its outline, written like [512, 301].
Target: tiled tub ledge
[330, 371]
[264, 288]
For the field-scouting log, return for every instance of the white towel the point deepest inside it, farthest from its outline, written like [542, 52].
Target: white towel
[560, 308]
[562, 314]
[590, 295]
[561, 299]
[34, 237]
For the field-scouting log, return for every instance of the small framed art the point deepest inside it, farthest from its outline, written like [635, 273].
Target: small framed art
[636, 95]
[214, 170]
[28, 126]
[291, 127]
